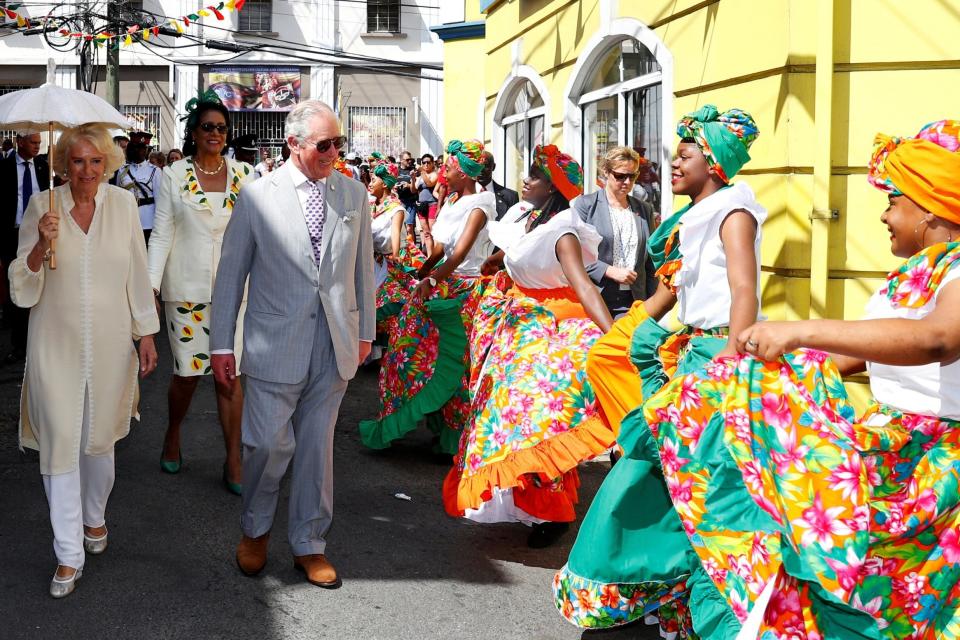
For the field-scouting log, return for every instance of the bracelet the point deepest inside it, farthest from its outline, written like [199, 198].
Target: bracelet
[431, 281]
[47, 254]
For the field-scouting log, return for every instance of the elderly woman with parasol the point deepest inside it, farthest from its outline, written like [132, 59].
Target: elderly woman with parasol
[80, 386]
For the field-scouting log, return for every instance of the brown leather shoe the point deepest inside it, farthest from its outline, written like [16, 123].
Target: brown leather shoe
[318, 569]
[252, 554]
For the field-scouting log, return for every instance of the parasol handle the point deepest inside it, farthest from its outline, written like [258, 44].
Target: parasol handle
[53, 243]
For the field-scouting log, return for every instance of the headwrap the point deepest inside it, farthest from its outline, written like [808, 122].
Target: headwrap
[192, 105]
[562, 170]
[724, 138]
[341, 165]
[376, 159]
[468, 156]
[389, 173]
[924, 168]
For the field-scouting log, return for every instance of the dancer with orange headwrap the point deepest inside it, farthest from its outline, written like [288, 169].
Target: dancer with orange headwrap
[797, 520]
[531, 407]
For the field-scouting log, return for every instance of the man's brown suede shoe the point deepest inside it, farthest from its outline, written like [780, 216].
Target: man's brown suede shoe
[318, 569]
[252, 554]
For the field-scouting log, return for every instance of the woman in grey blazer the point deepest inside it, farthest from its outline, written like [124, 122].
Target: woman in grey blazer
[623, 270]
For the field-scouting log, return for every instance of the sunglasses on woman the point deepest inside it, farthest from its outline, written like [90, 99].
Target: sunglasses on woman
[324, 145]
[623, 177]
[210, 127]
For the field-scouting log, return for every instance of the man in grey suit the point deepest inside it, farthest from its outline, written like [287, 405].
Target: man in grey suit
[302, 236]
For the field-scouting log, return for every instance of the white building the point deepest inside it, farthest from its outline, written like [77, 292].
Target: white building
[375, 61]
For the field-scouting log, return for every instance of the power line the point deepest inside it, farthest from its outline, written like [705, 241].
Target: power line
[330, 56]
[299, 46]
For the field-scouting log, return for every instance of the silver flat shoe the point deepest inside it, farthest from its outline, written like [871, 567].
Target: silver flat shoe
[94, 546]
[62, 587]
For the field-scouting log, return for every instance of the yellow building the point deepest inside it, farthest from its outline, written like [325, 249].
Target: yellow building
[820, 77]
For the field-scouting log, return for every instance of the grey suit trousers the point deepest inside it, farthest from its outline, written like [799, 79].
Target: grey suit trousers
[293, 421]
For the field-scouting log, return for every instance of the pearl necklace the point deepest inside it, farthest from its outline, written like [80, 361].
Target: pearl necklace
[209, 173]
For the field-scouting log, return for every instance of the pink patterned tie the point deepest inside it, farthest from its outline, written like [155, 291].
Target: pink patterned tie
[315, 217]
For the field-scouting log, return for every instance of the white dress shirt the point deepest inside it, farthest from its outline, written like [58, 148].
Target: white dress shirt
[303, 186]
[21, 167]
[626, 238]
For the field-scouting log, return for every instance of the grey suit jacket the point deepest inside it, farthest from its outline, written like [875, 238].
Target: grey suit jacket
[594, 209]
[267, 239]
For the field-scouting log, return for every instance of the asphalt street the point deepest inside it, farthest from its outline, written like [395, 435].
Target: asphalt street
[409, 571]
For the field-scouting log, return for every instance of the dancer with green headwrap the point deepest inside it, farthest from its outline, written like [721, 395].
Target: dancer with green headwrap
[397, 259]
[631, 558]
[425, 370]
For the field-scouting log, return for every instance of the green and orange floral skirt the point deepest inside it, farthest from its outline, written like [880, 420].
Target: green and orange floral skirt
[534, 416]
[424, 372]
[753, 498]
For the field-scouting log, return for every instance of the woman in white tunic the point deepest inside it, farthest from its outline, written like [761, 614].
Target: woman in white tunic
[80, 386]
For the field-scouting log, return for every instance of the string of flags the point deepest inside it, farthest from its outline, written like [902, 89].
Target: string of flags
[10, 11]
[126, 38]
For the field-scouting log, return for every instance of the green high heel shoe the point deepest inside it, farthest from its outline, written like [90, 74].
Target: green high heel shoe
[170, 466]
[235, 488]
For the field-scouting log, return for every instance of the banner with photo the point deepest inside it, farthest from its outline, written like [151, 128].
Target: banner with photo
[257, 88]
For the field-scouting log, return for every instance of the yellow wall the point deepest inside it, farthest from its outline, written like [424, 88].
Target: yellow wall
[895, 69]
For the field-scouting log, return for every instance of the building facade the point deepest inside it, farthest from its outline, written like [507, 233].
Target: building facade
[376, 62]
[820, 77]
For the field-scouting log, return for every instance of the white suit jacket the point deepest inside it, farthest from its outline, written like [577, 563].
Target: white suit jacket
[186, 241]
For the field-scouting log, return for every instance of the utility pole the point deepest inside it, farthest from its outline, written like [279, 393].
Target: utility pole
[113, 53]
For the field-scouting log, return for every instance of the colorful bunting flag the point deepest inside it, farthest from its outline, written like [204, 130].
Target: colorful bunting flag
[12, 13]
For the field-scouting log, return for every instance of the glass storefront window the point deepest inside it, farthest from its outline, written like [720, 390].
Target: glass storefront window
[627, 60]
[520, 139]
[645, 136]
[601, 126]
[523, 129]
[621, 103]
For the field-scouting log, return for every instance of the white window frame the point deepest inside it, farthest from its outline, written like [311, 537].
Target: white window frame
[270, 8]
[381, 5]
[519, 76]
[576, 100]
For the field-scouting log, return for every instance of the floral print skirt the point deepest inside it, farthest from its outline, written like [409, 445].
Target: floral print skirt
[794, 519]
[631, 559]
[424, 372]
[188, 329]
[533, 414]
[392, 293]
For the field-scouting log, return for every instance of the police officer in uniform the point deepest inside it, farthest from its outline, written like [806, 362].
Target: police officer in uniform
[141, 178]
[245, 150]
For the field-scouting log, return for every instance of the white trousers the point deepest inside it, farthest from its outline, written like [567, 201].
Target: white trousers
[78, 498]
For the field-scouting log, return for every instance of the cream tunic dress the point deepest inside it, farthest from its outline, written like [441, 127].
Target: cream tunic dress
[84, 317]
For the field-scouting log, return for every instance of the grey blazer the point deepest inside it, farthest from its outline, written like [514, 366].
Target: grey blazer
[267, 240]
[594, 209]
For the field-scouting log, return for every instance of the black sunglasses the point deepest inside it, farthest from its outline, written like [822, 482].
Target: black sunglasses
[324, 145]
[623, 177]
[209, 127]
